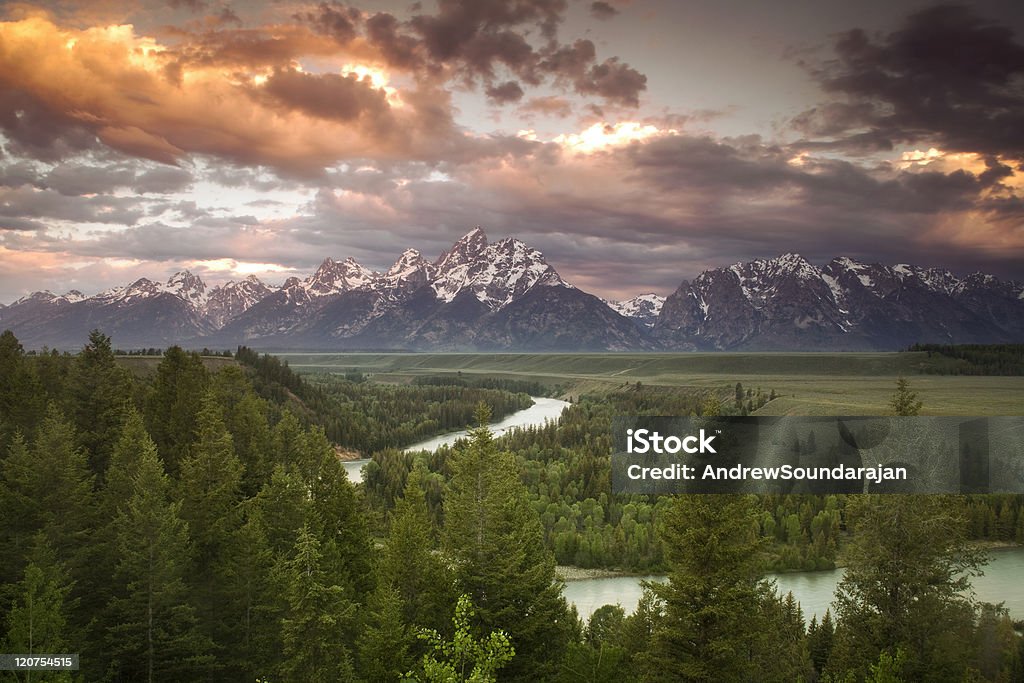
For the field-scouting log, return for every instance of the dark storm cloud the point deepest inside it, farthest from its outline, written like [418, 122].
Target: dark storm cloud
[510, 91]
[613, 80]
[948, 77]
[20, 224]
[485, 41]
[334, 19]
[328, 96]
[43, 204]
[76, 179]
[602, 10]
[40, 132]
[401, 50]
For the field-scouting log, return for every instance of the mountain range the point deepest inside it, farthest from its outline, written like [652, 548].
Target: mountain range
[482, 296]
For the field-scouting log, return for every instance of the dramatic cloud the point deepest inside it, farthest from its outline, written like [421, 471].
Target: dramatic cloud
[602, 10]
[138, 137]
[948, 78]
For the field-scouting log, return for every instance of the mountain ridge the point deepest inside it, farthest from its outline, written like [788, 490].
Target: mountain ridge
[504, 295]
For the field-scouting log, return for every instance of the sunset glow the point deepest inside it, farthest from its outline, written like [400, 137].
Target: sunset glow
[264, 137]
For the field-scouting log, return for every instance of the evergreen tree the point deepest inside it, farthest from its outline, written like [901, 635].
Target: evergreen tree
[385, 641]
[904, 401]
[46, 488]
[714, 621]
[336, 515]
[99, 392]
[154, 633]
[172, 404]
[321, 619]
[819, 641]
[245, 416]
[495, 541]
[408, 562]
[20, 393]
[37, 622]
[210, 495]
[908, 567]
[251, 605]
[280, 509]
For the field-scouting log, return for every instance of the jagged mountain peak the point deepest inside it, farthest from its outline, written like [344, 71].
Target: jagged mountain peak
[411, 259]
[643, 308]
[495, 274]
[188, 286]
[333, 277]
[467, 248]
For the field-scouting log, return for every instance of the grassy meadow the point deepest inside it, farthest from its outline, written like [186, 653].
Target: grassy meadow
[805, 383]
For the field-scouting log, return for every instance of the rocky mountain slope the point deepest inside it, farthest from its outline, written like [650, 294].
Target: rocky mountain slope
[505, 296]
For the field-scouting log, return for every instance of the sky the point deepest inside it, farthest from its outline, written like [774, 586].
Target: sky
[635, 142]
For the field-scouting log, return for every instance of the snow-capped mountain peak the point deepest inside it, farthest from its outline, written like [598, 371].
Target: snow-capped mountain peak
[188, 287]
[644, 308]
[333, 277]
[234, 298]
[496, 273]
[468, 248]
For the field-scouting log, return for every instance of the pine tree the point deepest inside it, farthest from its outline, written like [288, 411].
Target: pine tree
[408, 562]
[46, 488]
[908, 565]
[210, 495]
[495, 541]
[714, 603]
[320, 622]
[904, 401]
[385, 641]
[251, 605]
[245, 416]
[336, 516]
[171, 405]
[280, 509]
[20, 392]
[819, 641]
[154, 633]
[99, 392]
[37, 622]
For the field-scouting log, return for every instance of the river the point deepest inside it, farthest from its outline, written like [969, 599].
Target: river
[814, 591]
[542, 410]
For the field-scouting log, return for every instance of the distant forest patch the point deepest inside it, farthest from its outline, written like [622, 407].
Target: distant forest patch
[972, 359]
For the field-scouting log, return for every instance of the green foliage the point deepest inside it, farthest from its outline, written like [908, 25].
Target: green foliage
[154, 633]
[714, 624]
[385, 642]
[98, 400]
[21, 400]
[465, 657]
[904, 402]
[972, 359]
[496, 545]
[37, 622]
[370, 417]
[247, 554]
[171, 405]
[321, 619]
[908, 567]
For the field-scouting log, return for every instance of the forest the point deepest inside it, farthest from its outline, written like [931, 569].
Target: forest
[190, 524]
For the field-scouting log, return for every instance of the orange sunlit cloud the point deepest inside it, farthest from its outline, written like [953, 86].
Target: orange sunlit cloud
[122, 86]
